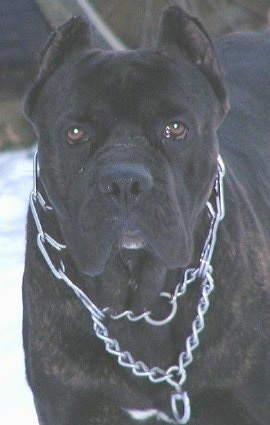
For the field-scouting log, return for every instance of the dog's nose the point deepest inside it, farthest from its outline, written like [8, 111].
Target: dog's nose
[125, 182]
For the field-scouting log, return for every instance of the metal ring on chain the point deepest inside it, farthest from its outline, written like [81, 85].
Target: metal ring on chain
[147, 315]
[183, 399]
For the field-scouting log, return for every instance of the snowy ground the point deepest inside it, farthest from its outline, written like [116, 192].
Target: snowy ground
[16, 405]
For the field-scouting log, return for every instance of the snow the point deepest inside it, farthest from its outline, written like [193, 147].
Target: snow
[16, 405]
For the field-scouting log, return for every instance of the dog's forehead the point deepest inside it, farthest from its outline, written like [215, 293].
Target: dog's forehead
[124, 67]
[138, 84]
[134, 77]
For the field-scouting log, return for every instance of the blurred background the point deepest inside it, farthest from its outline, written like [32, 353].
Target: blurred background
[25, 25]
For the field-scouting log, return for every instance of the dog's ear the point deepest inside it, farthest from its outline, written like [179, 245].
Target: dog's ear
[72, 36]
[180, 32]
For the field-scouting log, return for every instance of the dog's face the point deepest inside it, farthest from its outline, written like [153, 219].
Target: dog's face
[127, 142]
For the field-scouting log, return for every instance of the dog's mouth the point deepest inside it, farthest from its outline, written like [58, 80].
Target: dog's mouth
[130, 260]
[172, 249]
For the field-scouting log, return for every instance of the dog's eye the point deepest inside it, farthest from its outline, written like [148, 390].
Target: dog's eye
[76, 135]
[176, 130]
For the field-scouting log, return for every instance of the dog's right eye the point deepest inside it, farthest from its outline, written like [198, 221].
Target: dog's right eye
[75, 135]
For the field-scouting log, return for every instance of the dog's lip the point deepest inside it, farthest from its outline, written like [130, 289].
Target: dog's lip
[132, 239]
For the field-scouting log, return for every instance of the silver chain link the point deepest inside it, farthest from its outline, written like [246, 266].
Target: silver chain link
[175, 375]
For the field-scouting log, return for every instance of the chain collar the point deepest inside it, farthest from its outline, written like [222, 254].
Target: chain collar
[175, 375]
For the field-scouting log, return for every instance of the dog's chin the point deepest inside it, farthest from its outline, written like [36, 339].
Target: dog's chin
[132, 248]
[132, 240]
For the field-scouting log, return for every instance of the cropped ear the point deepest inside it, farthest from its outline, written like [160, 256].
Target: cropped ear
[73, 35]
[180, 32]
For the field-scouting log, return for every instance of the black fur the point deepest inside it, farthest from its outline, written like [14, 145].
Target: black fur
[126, 184]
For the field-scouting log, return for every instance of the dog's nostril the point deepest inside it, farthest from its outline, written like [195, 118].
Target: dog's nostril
[115, 189]
[135, 189]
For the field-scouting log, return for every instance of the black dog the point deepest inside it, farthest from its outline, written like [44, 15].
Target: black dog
[126, 207]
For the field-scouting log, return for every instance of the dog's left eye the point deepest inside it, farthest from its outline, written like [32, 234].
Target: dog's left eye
[176, 130]
[76, 135]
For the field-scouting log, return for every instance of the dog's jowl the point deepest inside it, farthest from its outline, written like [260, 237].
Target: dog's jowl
[147, 274]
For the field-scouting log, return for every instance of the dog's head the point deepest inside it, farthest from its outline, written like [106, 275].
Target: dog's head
[127, 140]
